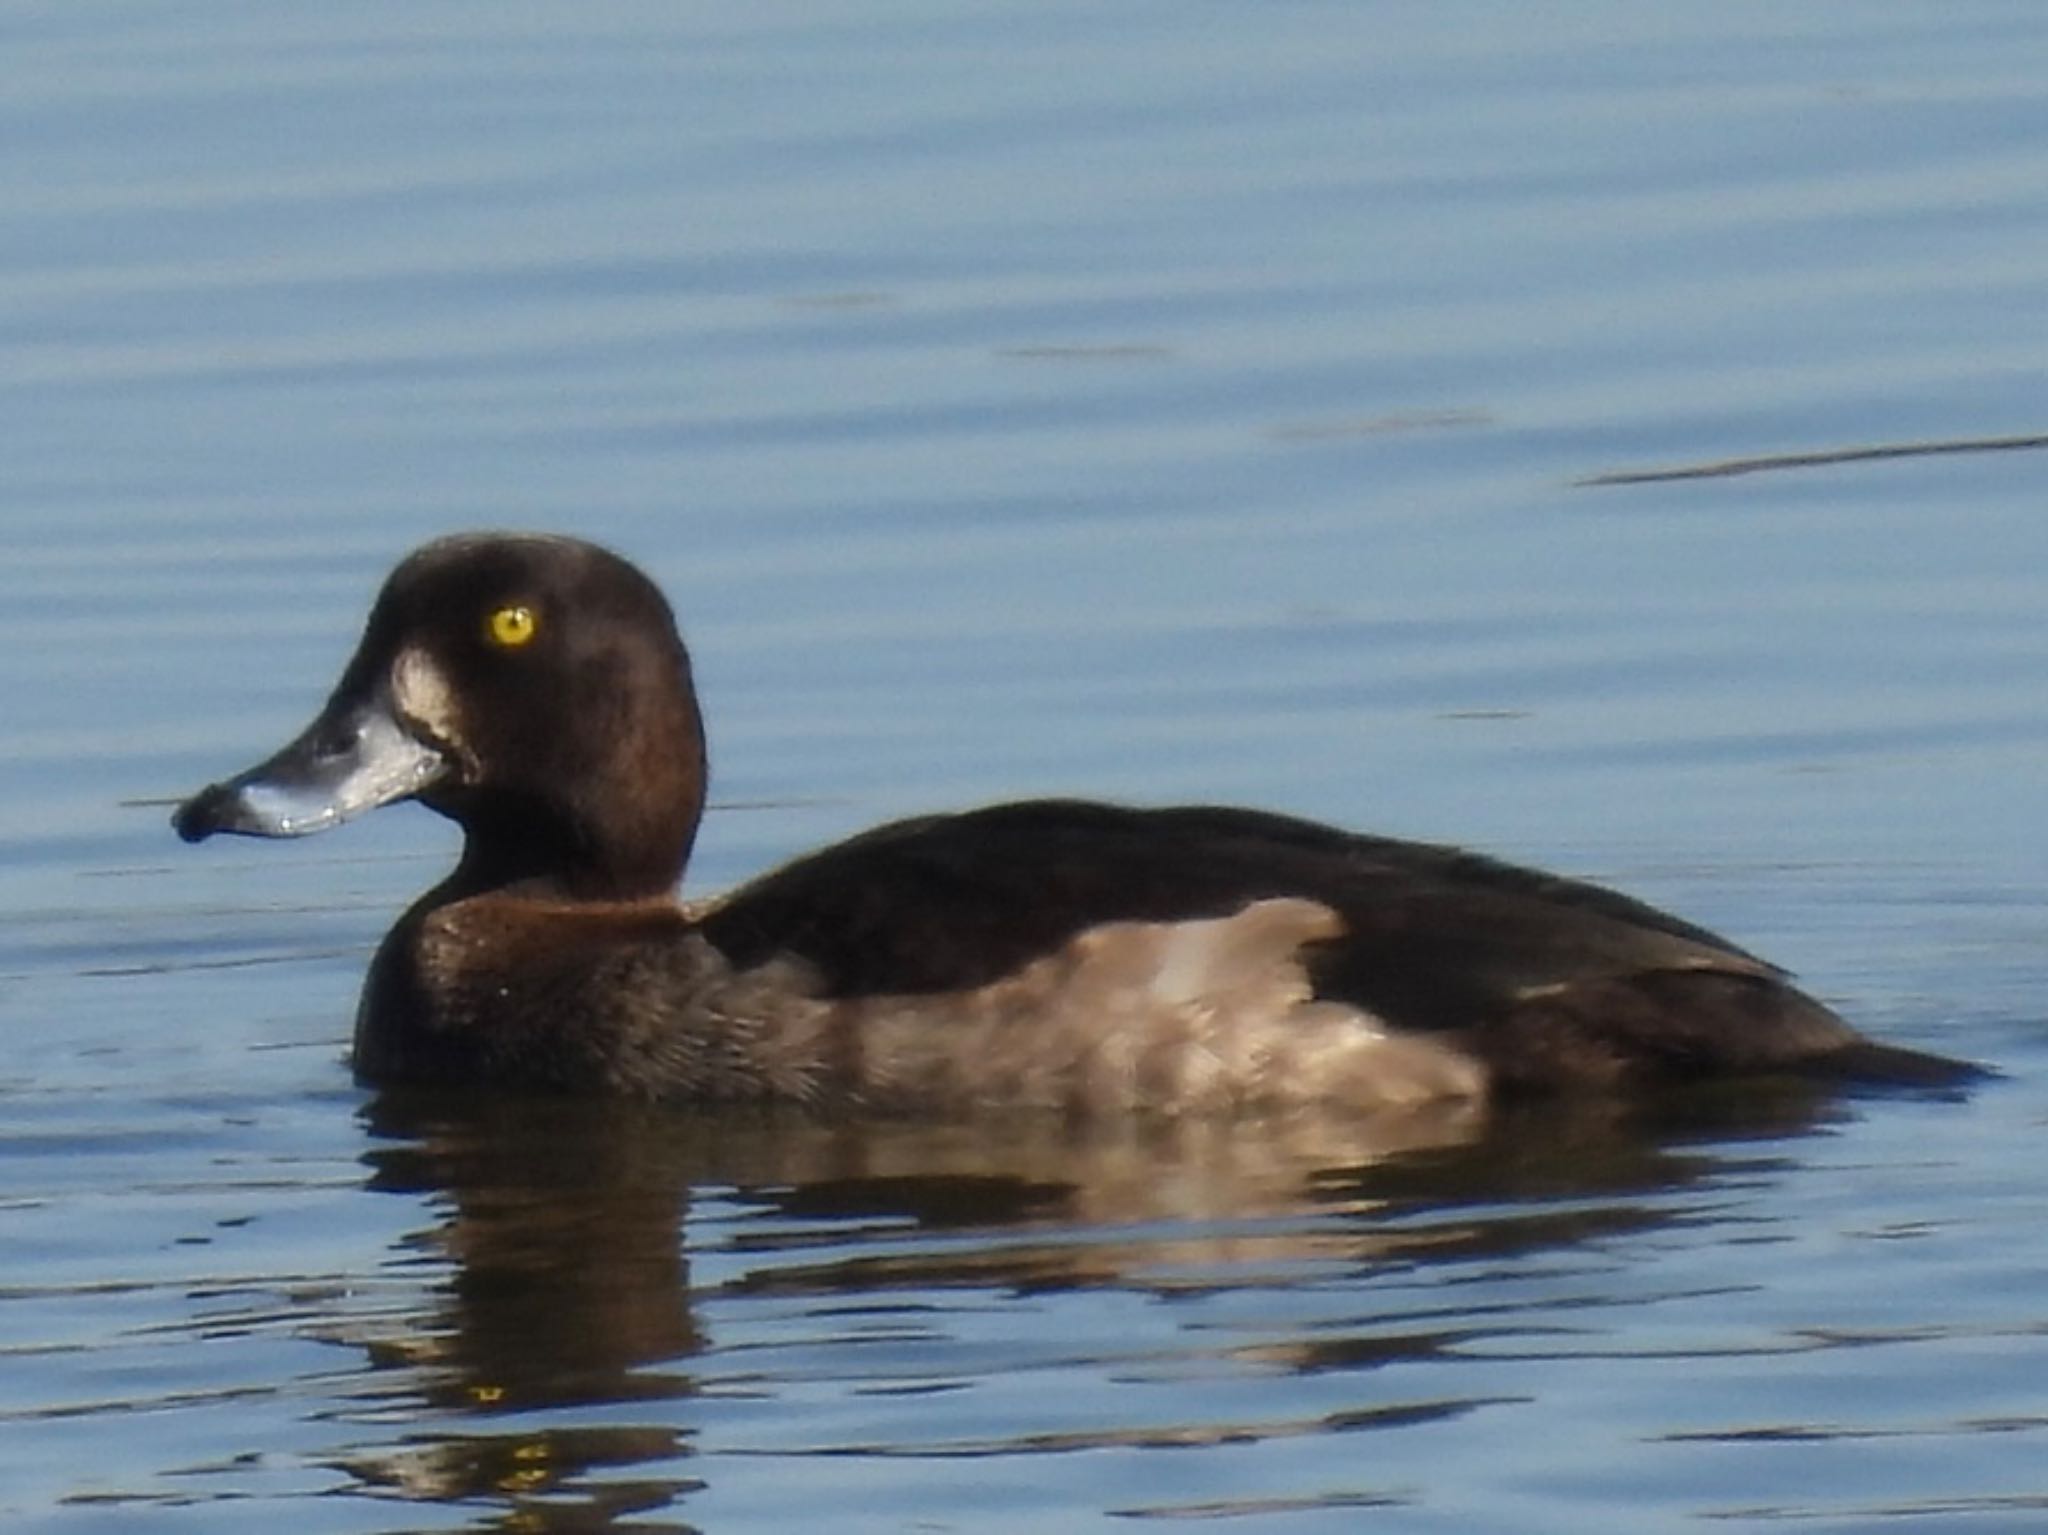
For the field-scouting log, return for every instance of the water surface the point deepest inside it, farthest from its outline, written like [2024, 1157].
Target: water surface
[1147, 401]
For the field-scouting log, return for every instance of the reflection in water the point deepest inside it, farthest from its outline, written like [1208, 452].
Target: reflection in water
[569, 1229]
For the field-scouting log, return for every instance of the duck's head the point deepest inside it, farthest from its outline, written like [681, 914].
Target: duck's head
[532, 688]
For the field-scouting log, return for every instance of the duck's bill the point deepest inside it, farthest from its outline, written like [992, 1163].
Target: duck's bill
[354, 757]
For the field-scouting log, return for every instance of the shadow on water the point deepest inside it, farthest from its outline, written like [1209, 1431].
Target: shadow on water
[565, 1364]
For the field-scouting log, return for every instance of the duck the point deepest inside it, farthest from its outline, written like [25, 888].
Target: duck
[1081, 957]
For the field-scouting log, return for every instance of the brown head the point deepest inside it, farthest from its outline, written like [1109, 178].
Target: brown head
[533, 689]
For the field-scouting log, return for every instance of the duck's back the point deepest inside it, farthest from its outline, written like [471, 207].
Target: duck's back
[1541, 981]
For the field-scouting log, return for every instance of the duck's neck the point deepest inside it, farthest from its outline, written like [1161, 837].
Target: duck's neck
[570, 857]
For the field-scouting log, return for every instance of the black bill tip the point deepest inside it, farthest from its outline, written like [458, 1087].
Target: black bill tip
[204, 813]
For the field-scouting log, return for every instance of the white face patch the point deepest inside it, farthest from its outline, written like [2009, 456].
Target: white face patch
[421, 692]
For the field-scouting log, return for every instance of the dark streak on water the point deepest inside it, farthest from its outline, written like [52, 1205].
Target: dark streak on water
[1819, 458]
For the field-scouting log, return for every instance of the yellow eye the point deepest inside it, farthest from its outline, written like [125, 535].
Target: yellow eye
[511, 626]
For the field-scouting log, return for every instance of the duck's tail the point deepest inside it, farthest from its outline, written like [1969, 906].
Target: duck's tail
[1867, 1063]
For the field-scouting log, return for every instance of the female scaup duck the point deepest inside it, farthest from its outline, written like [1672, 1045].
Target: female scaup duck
[1058, 954]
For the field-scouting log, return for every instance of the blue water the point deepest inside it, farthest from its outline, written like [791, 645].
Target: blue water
[1149, 401]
